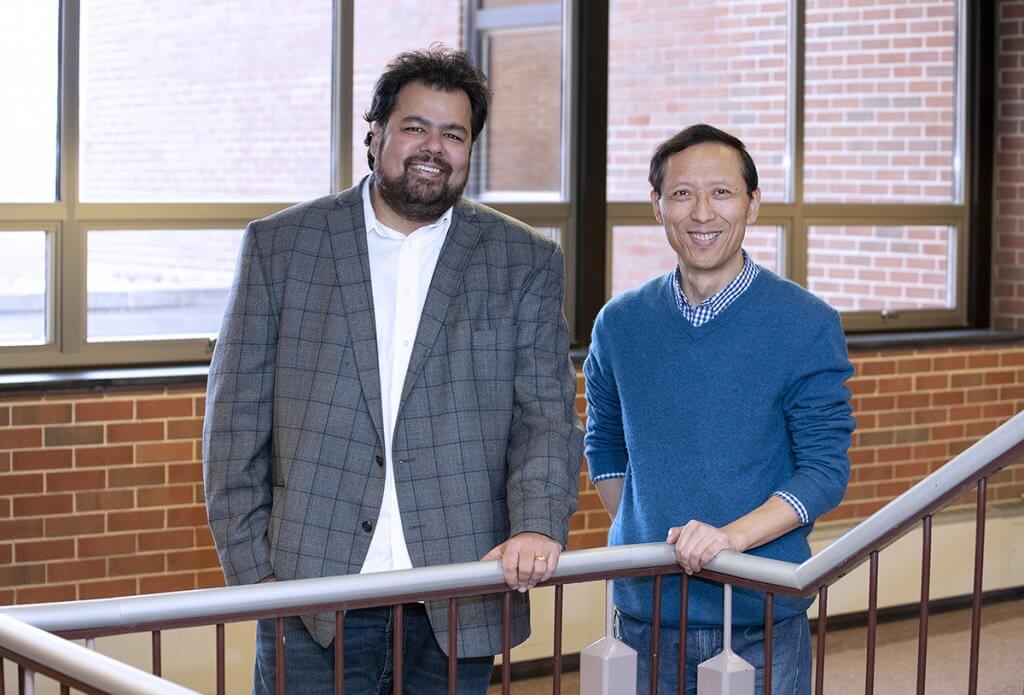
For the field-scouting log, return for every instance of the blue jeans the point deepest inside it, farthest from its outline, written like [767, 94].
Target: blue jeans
[369, 657]
[791, 654]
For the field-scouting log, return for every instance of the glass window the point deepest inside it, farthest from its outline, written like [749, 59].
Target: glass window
[641, 252]
[376, 41]
[193, 101]
[522, 146]
[673, 64]
[864, 268]
[28, 119]
[24, 274]
[158, 283]
[880, 104]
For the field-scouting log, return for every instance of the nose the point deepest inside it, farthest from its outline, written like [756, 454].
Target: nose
[431, 142]
[702, 210]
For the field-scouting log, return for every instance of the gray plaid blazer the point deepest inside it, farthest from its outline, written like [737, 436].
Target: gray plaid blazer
[487, 442]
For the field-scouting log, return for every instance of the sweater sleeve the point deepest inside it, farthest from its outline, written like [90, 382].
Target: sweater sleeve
[604, 440]
[820, 422]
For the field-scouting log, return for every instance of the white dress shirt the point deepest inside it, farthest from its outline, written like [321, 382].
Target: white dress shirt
[401, 268]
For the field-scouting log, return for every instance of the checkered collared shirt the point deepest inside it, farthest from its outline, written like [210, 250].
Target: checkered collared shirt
[716, 303]
[712, 307]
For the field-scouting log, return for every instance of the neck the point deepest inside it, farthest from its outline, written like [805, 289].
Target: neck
[391, 219]
[698, 285]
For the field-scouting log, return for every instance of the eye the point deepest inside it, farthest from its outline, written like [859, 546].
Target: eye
[454, 136]
[722, 192]
[681, 193]
[413, 129]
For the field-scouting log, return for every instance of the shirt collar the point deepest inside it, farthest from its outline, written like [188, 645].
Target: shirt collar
[716, 303]
[375, 226]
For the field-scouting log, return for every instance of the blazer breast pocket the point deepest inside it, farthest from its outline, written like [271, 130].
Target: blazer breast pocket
[494, 352]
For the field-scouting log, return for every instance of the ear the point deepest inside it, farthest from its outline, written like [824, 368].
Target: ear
[754, 207]
[375, 139]
[656, 205]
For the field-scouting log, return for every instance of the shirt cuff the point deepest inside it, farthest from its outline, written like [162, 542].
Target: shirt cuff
[796, 504]
[606, 476]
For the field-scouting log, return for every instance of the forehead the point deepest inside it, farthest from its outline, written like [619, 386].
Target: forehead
[418, 100]
[705, 161]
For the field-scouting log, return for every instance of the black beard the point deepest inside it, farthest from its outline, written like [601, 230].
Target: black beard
[417, 201]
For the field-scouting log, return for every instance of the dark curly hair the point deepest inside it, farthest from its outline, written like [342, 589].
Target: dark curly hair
[437, 67]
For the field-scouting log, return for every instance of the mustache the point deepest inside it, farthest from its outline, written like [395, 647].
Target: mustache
[434, 161]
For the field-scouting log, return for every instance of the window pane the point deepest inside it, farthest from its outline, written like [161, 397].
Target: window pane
[28, 120]
[673, 63]
[875, 268]
[24, 272]
[523, 138]
[159, 283]
[376, 42]
[880, 109]
[197, 101]
[640, 253]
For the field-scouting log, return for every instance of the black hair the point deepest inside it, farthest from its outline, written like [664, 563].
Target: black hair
[695, 135]
[437, 67]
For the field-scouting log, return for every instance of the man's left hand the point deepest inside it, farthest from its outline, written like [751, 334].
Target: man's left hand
[698, 543]
[527, 559]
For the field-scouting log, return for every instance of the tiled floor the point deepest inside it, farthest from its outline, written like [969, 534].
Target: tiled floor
[1001, 660]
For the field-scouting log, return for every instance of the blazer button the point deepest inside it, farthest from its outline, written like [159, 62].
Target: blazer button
[367, 526]
[379, 459]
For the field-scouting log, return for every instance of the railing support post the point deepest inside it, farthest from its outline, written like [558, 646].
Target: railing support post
[869, 676]
[979, 561]
[922, 627]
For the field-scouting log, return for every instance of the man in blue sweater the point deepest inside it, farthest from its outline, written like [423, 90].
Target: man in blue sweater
[717, 415]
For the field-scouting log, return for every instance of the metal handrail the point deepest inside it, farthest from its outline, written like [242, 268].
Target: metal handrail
[1003, 446]
[79, 667]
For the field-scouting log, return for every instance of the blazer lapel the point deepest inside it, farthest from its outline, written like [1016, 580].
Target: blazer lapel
[462, 238]
[351, 260]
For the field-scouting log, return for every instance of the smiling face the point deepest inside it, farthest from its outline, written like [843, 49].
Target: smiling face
[705, 209]
[422, 156]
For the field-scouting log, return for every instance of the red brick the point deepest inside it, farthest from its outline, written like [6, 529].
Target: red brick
[105, 546]
[948, 398]
[967, 379]
[876, 368]
[132, 476]
[199, 404]
[894, 419]
[924, 417]
[42, 414]
[587, 539]
[5, 416]
[158, 453]
[135, 432]
[983, 361]
[89, 501]
[165, 495]
[185, 473]
[1001, 377]
[914, 366]
[135, 520]
[103, 456]
[185, 429]
[186, 516]
[167, 583]
[163, 408]
[1012, 359]
[949, 364]
[203, 538]
[42, 505]
[44, 459]
[20, 575]
[21, 437]
[192, 560]
[21, 484]
[11, 529]
[150, 563]
[101, 411]
[74, 525]
[5, 507]
[5, 461]
[209, 579]
[72, 435]
[109, 588]
[912, 400]
[982, 395]
[872, 473]
[69, 481]
[166, 540]
[6, 554]
[35, 551]
[52, 593]
[75, 570]
[931, 381]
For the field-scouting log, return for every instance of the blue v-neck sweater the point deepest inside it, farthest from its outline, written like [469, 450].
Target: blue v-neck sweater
[706, 423]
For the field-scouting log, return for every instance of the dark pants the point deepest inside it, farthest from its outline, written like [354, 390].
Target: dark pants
[369, 658]
[791, 654]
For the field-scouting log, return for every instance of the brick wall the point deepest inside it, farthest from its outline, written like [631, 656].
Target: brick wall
[1008, 236]
[101, 491]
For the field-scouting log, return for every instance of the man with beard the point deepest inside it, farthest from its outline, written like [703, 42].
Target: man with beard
[391, 389]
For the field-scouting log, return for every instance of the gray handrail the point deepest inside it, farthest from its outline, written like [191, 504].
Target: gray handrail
[84, 666]
[212, 604]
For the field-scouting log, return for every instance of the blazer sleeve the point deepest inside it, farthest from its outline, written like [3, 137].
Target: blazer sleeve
[545, 441]
[237, 467]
